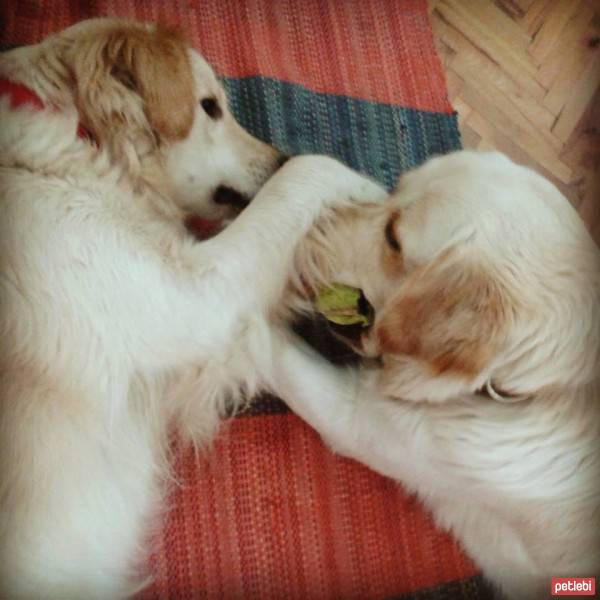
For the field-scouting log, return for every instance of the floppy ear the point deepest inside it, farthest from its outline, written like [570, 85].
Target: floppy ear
[129, 71]
[448, 321]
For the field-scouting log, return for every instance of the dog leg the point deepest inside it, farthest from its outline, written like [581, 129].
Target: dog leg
[497, 547]
[344, 407]
[173, 309]
[77, 495]
[260, 244]
[239, 277]
[395, 439]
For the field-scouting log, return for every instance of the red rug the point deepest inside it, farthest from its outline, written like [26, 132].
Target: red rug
[272, 514]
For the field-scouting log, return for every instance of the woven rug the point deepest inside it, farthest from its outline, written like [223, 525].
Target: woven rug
[269, 512]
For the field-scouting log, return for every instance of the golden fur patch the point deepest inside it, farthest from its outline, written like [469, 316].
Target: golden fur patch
[449, 314]
[112, 66]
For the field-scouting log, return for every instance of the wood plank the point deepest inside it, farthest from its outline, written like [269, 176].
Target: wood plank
[595, 231]
[509, 93]
[487, 24]
[583, 150]
[431, 4]
[589, 208]
[514, 8]
[454, 84]
[497, 22]
[535, 15]
[556, 61]
[520, 130]
[463, 110]
[583, 147]
[524, 5]
[445, 52]
[554, 23]
[469, 137]
[485, 146]
[505, 144]
[471, 65]
[513, 58]
[468, 62]
[552, 124]
[578, 60]
[584, 90]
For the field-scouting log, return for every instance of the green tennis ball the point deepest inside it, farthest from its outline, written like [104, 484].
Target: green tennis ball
[340, 304]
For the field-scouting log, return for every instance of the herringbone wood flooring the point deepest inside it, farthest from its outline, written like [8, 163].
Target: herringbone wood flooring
[524, 76]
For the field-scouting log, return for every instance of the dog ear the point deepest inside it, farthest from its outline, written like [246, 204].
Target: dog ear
[449, 320]
[130, 70]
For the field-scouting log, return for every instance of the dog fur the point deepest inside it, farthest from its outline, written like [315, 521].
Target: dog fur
[117, 327]
[485, 401]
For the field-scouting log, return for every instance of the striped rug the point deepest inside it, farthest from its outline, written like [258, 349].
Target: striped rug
[269, 513]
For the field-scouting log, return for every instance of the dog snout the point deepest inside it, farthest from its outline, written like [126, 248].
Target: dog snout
[228, 196]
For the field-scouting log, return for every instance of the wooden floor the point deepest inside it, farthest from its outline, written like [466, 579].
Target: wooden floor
[524, 76]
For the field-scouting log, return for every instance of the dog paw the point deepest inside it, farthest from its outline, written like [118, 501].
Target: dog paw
[331, 178]
[369, 191]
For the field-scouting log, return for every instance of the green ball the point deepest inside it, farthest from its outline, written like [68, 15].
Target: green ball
[340, 304]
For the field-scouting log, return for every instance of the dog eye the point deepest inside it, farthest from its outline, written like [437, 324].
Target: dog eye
[390, 234]
[211, 108]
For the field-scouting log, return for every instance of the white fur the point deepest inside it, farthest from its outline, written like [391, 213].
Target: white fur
[517, 483]
[117, 327]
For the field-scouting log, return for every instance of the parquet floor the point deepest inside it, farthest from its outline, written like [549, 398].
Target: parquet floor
[524, 76]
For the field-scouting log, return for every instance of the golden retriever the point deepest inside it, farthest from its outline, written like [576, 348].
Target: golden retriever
[485, 393]
[117, 326]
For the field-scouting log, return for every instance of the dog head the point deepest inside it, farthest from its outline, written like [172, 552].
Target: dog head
[157, 106]
[480, 273]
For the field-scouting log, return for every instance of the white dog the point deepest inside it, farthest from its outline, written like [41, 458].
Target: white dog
[486, 400]
[118, 327]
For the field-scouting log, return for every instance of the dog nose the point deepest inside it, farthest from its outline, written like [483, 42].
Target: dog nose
[282, 159]
[230, 197]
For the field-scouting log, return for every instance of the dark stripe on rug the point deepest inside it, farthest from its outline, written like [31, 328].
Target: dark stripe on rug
[473, 588]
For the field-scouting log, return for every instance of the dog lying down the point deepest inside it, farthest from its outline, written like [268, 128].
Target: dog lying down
[485, 394]
[117, 327]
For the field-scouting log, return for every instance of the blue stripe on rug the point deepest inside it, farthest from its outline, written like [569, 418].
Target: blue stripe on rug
[380, 140]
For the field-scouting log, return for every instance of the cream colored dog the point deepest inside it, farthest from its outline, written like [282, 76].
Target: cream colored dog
[117, 327]
[486, 399]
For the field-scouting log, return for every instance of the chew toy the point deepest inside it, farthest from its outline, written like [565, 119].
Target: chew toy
[344, 305]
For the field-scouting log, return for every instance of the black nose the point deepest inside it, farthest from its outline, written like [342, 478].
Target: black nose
[226, 195]
[283, 158]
